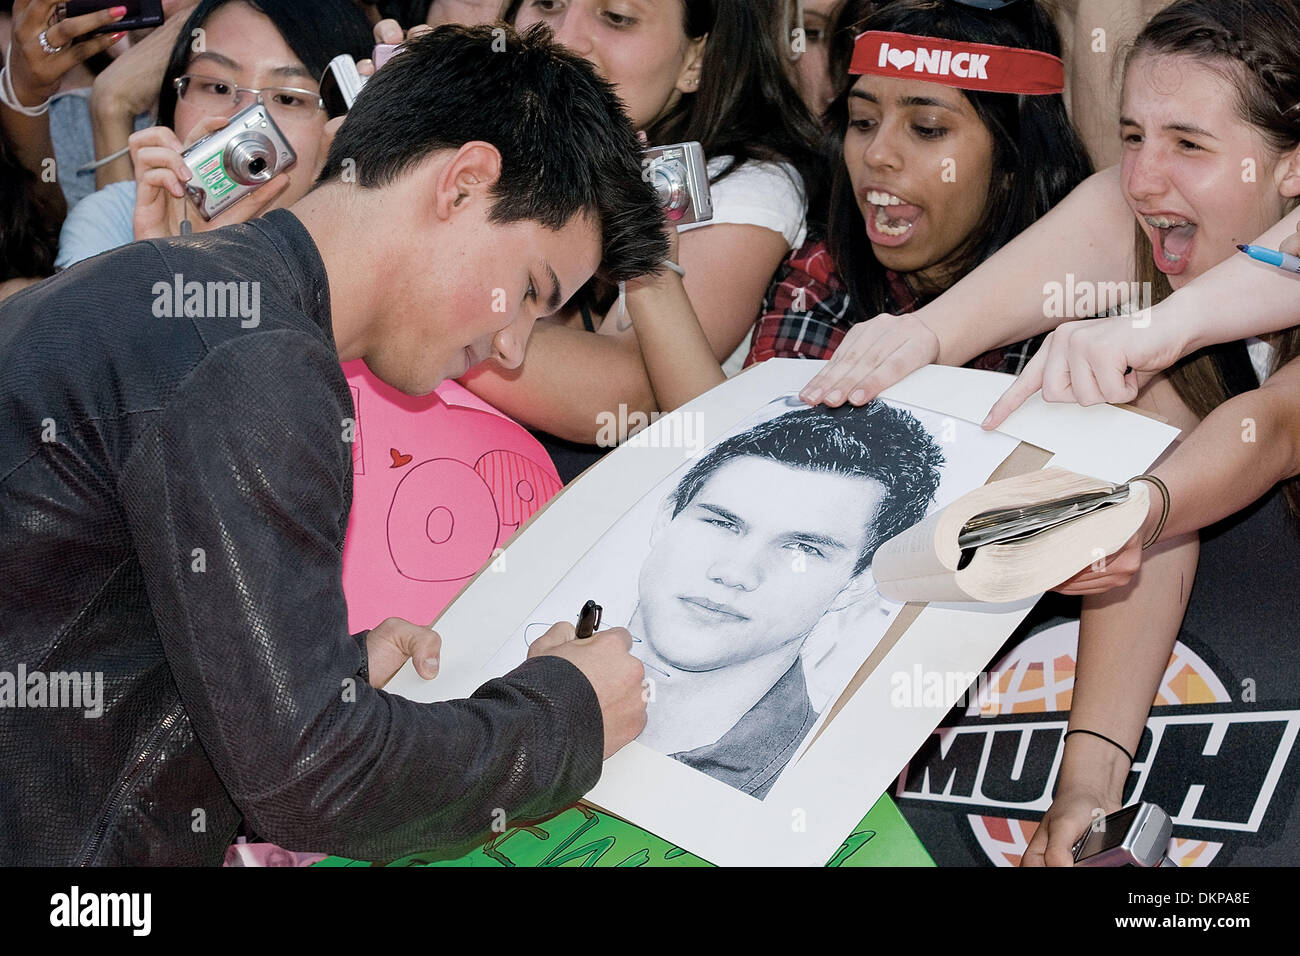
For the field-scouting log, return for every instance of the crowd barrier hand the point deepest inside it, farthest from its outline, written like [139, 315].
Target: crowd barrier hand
[873, 356]
[1067, 819]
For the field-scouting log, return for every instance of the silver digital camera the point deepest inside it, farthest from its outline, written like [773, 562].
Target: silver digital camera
[1137, 835]
[680, 176]
[232, 162]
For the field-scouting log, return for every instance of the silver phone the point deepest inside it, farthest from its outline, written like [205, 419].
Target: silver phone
[1137, 835]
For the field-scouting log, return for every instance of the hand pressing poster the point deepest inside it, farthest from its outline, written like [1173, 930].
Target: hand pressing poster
[740, 562]
[744, 576]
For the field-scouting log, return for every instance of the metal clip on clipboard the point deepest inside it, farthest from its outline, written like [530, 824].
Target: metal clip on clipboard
[1004, 525]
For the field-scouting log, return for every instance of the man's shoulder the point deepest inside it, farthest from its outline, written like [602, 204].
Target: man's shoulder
[127, 331]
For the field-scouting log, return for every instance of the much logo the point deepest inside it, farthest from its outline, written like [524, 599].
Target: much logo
[1211, 761]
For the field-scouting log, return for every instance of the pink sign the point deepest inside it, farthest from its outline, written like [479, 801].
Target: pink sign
[438, 484]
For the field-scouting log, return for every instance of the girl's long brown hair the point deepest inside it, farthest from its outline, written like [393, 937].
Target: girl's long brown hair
[1254, 43]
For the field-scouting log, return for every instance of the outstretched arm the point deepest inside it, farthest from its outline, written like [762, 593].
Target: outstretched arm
[1088, 235]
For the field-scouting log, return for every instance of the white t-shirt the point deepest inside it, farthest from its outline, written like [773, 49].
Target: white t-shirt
[102, 221]
[1261, 357]
[763, 194]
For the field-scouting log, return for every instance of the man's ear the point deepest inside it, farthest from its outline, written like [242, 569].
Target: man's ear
[860, 587]
[1289, 174]
[466, 177]
[688, 81]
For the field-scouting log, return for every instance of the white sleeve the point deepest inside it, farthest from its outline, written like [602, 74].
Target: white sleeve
[102, 221]
[763, 194]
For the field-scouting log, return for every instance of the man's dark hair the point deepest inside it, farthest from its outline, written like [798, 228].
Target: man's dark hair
[566, 146]
[876, 441]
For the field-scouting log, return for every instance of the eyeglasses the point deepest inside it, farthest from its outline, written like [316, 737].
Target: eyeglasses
[212, 95]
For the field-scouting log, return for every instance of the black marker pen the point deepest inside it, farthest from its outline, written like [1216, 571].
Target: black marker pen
[588, 620]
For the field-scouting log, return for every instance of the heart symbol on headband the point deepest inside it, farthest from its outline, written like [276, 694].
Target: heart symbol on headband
[900, 59]
[398, 458]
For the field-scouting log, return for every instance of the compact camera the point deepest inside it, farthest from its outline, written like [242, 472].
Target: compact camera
[140, 14]
[680, 176]
[1134, 836]
[343, 70]
[232, 162]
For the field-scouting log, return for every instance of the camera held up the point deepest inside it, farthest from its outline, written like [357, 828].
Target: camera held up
[232, 162]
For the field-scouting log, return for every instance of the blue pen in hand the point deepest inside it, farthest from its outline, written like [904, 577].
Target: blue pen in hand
[1285, 262]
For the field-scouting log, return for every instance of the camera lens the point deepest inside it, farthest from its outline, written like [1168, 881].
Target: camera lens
[250, 158]
[669, 181]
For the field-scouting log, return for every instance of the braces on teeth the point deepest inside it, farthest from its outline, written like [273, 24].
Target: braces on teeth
[882, 223]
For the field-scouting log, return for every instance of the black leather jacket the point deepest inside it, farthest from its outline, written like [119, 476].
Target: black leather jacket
[174, 492]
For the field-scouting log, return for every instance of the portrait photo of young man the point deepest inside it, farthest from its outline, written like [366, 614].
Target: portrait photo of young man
[768, 532]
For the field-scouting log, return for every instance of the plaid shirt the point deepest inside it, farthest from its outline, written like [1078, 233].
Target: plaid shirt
[806, 314]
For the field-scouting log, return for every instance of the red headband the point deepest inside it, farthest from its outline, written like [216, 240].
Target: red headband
[967, 66]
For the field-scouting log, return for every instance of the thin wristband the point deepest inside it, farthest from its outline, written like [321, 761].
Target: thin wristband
[1094, 733]
[124, 151]
[9, 96]
[1164, 513]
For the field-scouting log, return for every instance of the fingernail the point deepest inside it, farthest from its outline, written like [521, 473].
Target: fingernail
[117, 12]
[431, 666]
[118, 36]
[833, 397]
[811, 395]
[985, 423]
[858, 397]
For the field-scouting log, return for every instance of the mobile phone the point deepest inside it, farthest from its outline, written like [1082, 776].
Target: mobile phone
[342, 83]
[140, 14]
[384, 52]
[1137, 835]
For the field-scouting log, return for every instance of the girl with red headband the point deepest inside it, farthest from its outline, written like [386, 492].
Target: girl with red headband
[951, 137]
[1211, 158]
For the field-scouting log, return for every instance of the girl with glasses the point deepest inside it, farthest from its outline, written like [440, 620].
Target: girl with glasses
[230, 54]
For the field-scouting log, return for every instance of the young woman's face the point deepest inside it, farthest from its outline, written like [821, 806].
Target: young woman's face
[640, 46]
[242, 47]
[1198, 178]
[812, 69]
[920, 161]
[465, 12]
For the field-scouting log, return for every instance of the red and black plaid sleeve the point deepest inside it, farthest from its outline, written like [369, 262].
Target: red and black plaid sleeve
[806, 310]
